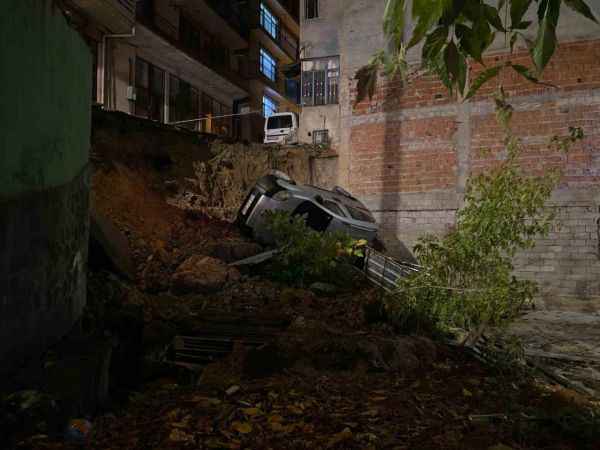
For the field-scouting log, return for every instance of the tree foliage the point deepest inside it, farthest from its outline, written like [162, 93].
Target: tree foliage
[307, 255]
[454, 32]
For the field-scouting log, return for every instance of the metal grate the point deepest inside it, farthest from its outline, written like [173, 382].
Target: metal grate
[385, 271]
[320, 137]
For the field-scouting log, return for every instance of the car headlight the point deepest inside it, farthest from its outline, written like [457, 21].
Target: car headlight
[281, 196]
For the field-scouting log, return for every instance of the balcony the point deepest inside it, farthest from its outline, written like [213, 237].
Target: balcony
[279, 34]
[182, 45]
[118, 16]
[221, 18]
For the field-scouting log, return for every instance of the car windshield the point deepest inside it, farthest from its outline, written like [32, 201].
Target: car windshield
[360, 214]
[276, 122]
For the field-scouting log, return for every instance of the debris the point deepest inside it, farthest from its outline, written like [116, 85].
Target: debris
[199, 274]
[256, 259]
[232, 390]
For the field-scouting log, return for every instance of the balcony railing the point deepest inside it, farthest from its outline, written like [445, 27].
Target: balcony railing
[230, 12]
[215, 58]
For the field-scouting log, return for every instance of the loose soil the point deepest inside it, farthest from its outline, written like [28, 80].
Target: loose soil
[306, 400]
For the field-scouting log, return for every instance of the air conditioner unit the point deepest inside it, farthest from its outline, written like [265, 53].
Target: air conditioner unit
[131, 93]
[320, 137]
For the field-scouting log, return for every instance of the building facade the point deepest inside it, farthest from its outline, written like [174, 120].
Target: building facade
[177, 61]
[409, 151]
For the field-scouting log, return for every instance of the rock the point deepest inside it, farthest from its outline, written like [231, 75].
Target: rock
[233, 251]
[323, 288]
[109, 247]
[202, 274]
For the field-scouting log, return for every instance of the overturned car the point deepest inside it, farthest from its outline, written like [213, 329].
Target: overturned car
[325, 210]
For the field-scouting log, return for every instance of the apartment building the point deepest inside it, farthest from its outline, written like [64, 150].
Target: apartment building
[271, 59]
[409, 151]
[178, 61]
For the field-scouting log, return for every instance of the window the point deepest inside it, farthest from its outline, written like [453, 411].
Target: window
[275, 123]
[360, 214]
[311, 10]
[269, 22]
[268, 65]
[269, 106]
[320, 81]
[183, 102]
[333, 207]
[150, 90]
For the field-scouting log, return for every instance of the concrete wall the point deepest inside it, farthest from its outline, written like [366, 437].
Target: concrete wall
[44, 145]
[321, 37]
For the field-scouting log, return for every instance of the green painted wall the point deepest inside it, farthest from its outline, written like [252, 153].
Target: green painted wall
[45, 98]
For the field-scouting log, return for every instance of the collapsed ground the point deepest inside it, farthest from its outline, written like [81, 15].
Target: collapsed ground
[328, 375]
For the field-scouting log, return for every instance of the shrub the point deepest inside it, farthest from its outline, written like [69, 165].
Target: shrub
[307, 255]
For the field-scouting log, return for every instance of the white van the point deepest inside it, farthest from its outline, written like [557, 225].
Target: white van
[281, 128]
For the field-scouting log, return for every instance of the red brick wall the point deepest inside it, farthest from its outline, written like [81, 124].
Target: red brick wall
[416, 154]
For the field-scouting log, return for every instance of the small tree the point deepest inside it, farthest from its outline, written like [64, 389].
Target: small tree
[467, 283]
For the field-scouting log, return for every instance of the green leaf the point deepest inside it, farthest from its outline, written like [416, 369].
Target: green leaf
[428, 13]
[393, 20]
[581, 7]
[525, 72]
[493, 17]
[474, 41]
[518, 8]
[545, 42]
[453, 12]
[483, 78]
[435, 43]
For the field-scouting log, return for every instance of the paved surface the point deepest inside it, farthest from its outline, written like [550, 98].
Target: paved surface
[568, 343]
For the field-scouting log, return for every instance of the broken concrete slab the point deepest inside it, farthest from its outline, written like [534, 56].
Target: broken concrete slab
[108, 246]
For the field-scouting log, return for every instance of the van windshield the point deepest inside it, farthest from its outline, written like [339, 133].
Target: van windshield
[276, 122]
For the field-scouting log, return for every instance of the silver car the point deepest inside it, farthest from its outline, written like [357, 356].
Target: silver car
[325, 210]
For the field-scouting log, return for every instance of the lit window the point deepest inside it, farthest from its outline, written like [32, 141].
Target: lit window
[269, 106]
[268, 21]
[311, 9]
[268, 65]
